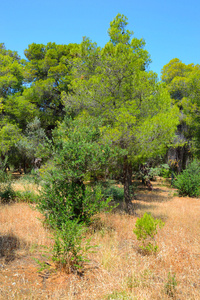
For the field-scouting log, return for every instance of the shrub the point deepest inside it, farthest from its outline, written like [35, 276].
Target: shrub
[188, 182]
[145, 230]
[162, 170]
[61, 200]
[7, 193]
[165, 171]
[4, 177]
[69, 250]
[77, 151]
[153, 172]
[115, 192]
[67, 202]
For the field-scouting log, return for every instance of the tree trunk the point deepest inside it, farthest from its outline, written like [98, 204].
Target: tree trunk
[127, 183]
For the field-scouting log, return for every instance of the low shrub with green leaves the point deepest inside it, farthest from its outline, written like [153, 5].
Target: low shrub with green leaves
[145, 230]
[115, 192]
[7, 194]
[154, 172]
[65, 197]
[165, 171]
[4, 177]
[188, 182]
[162, 170]
[70, 248]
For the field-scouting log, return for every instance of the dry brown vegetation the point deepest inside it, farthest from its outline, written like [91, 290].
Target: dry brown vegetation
[117, 270]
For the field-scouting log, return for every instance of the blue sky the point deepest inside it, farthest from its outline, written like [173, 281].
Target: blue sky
[170, 28]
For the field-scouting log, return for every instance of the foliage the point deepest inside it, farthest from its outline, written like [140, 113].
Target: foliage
[70, 248]
[7, 194]
[33, 177]
[153, 173]
[118, 32]
[188, 182]
[182, 82]
[9, 135]
[115, 192]
[161, 170]
[33, 144]
[4, 176]
[47, 72]
[113, 82]
[145, 230]
[165, 171]
[11, 72]
[170, 286]
[76, 152]
[66, 201]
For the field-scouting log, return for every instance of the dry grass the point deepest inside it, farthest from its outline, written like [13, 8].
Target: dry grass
[23, 186]
[117, 270]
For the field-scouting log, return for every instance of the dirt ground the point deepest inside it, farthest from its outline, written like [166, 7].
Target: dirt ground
[117, 269]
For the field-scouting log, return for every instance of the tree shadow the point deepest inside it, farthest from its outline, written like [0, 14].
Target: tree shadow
[140, 208]
[143, 207]
[154, 197]
[9, 244]
[143, 188]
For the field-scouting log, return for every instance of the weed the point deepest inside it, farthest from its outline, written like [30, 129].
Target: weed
[116, 295]
[145, 230]
[26, 196]
[43, 265]
[170, 286]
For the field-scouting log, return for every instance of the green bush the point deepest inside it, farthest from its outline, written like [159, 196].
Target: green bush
[61, 200]
[7, 194]
[115, 192]
[70, 248]
[188, 182]
[165, 171]
[153, 172]
[77, 152]
[145, 230]
[66, 201]
[4, 177]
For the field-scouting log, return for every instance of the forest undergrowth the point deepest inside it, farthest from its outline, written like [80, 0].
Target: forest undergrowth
[117, 268]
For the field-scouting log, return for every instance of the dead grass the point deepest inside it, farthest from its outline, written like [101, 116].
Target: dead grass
[117, 270]
[23, 186]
